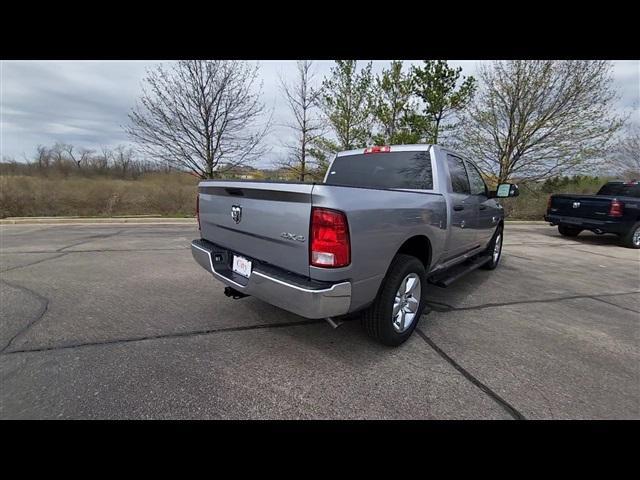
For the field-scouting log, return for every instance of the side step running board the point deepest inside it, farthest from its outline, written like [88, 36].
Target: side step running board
[446, 278]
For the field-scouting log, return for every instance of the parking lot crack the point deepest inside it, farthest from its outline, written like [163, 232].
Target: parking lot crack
[44, 305]
[614, 304]
[34, 263]
[441, 307]
[163, 336]
[493, 395]
[91, 239]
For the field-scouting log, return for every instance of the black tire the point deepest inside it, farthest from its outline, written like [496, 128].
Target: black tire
[627, 238]
[377, 319]
[569, 231]
[493, 263]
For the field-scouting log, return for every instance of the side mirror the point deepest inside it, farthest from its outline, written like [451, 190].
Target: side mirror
[506, 190]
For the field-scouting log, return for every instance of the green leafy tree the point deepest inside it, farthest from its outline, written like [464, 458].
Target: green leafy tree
[394, 108]
[346, 101]
[322, 150]
[436, 84]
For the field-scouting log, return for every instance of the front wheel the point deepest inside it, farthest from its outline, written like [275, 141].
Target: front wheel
[495, 250]
[395, 312]
[632, 238]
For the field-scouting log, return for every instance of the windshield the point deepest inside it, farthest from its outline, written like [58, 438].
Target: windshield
[411, 170]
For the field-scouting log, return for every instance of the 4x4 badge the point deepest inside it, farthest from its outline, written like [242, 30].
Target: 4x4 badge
[291, 236]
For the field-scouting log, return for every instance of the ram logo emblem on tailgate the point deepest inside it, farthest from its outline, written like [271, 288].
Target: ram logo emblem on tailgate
[291, 236]
[576, 204]
[236, 213]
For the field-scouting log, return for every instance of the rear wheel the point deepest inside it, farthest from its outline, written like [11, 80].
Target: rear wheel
[397, 309]
[569, 231]
[632, 238]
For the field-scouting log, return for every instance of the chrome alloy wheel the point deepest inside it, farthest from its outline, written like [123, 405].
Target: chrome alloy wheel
[497, 248]
[406, 303]
[636, 237]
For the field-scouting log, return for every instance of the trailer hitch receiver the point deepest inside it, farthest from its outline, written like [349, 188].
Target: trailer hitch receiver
[233, 293]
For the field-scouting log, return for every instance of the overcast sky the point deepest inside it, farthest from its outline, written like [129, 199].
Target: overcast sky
[86, 102]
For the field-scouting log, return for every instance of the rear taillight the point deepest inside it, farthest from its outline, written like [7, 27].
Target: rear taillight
[549, 203]
[329, 246]
[616, 209]
[378, 149]
[198, 210]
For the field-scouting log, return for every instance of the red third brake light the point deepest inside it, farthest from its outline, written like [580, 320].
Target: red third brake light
[616, 208]
[378, 149]
[329, 246]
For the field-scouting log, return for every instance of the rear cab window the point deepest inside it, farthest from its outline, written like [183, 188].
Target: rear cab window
[631, 189]
[388, 170]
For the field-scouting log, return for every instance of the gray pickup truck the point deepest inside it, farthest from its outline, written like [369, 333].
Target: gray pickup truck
[385, 222]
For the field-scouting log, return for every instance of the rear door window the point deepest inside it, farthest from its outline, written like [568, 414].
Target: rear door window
[410, 170]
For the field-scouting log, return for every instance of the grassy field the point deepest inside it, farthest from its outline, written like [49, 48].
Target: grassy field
[167, 194]
[173, 194]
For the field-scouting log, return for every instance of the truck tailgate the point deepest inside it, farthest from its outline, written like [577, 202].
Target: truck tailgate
[270, 223]
[582, 206]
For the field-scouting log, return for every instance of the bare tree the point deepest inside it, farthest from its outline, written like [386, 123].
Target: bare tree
[100, 163]
[302, 99]
[43, 157]
[57, 154]
[60, 161]
[123, 158]
[625, 159]
[537, 119]
[200, 115]
[81, 156]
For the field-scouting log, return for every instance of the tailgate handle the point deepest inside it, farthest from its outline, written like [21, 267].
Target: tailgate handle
[235, 191]
[457, 208]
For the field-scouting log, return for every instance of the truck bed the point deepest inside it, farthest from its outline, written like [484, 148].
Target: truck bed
[274, 223]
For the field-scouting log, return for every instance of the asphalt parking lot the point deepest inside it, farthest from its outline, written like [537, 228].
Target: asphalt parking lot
[118, 321]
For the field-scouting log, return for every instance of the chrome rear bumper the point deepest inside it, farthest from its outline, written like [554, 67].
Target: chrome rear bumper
[310, 301]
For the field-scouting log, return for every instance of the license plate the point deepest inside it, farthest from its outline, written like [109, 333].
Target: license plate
[241, 266]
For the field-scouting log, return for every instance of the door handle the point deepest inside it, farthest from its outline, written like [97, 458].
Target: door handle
[457, 208]
[483, 207]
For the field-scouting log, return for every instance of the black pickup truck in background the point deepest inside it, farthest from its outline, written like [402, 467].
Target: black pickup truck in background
[614, 209]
